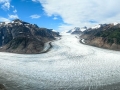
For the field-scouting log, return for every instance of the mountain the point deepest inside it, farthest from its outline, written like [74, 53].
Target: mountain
[77, 30]
[22, 37]
[104, 36]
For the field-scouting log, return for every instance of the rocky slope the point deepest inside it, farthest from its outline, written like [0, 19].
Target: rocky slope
[22, 37]
[105, 36]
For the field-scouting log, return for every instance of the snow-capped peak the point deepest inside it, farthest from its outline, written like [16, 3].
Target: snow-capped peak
[115, 23]
[54, 30]
[7, 22]
[77, 29]
[74, 29]
[96, 26]
[83, 28]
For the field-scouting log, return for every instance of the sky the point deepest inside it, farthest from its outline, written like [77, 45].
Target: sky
[61, 14]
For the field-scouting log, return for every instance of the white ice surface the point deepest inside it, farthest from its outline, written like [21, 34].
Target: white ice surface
[68, 64]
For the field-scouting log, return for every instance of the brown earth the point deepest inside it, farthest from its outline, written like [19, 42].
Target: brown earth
[100, 42]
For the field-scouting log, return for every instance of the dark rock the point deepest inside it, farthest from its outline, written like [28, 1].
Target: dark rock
[2, 87]
[22, 37]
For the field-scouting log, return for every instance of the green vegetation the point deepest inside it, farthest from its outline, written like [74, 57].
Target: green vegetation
[110, 34]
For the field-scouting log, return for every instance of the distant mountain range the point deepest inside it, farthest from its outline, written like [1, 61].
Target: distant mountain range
[103, 35]
[77, 30]
[22, 37]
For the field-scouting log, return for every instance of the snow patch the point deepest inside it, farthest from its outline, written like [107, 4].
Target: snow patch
[115, 23]
[54, 30]
[7, 22]
[12, 22]
[96, 27]
[83, 41]
[83, 29]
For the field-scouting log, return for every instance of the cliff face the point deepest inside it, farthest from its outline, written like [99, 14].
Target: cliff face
[107, 36]
[22, 37]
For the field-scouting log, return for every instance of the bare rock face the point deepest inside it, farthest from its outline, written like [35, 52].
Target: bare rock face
[22, 37]
[2, 87]
[107, 36]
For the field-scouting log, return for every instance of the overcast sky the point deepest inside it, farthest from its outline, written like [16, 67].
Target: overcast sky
[61, 14]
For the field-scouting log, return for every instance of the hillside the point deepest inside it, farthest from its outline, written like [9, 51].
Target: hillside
[106, 36]
[22, 37]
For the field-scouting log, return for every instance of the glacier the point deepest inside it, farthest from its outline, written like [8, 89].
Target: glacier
[69, 65]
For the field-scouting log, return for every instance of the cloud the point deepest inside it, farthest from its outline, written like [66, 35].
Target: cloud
[10, 17]
[15, 11]
[83, 12]
[5, 4]
[3, 1]
[13, 16]
[35, 16]
[35, 0]
[55, 18]
[2, 19]
[93, 21]
[12, 6]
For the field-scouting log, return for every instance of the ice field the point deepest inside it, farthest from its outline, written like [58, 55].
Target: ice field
[69, 65]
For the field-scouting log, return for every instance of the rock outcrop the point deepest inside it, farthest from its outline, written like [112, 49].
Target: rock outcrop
[22, 37]
[2, 87]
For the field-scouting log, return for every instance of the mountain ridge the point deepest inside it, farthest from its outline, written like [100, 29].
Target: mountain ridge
[77, 30]
[106, 36]
[22, 37]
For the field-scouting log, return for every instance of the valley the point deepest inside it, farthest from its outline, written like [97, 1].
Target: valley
[69, 65]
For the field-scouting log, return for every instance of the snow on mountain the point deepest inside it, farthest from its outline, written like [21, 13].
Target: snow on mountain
[96, 26]
[77, 30]
[83, 28]
[115, 23]
[54, 30]
[17, 32]
[74, 29]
